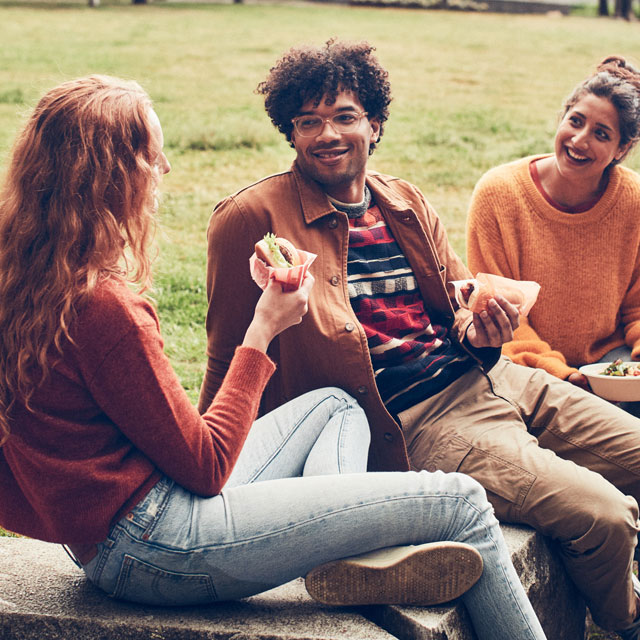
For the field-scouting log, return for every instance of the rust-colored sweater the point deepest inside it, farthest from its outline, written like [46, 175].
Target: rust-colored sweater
[111, 419]
[588, 265]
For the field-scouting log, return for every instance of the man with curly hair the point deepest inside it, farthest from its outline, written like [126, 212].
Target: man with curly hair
[382, 325]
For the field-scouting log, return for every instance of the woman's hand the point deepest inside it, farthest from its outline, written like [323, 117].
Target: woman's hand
[276, 311]
[495, 326]
[579, 380]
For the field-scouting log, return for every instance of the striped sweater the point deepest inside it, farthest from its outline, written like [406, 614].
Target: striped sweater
[411, 352]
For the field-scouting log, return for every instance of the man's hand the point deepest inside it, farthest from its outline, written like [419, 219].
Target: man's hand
[495, 326]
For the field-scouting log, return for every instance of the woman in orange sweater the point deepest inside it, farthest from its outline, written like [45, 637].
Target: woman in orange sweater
[570, 221]
[101, 450]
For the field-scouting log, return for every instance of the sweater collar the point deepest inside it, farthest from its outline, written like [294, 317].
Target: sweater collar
[539, 204]
[353, 210]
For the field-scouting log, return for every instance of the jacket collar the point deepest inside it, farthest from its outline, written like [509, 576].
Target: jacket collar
[384, 195]
[315, 203]
[313, 199]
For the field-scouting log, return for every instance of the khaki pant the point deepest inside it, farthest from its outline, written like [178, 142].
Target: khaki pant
[551, 456]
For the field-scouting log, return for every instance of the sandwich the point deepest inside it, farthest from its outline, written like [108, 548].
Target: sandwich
[277, 252]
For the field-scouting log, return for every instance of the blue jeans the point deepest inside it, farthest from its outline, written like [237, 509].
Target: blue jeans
[299, 497]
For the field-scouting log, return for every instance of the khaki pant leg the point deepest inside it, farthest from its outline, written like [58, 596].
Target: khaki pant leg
[543, 449]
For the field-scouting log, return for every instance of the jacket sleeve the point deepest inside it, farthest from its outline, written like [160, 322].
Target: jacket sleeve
[231, 293]
[455, 268]
[488, 251]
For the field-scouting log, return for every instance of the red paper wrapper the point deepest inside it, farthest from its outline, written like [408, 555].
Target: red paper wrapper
[289, 277]
[521, 293]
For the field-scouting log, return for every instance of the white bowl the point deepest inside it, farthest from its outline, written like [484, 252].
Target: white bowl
[614, 388]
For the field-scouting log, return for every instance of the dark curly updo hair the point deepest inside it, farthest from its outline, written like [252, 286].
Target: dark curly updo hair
[619, 82]
[309, 73]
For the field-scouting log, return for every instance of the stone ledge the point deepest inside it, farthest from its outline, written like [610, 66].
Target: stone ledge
[44, 596]
[555, 599]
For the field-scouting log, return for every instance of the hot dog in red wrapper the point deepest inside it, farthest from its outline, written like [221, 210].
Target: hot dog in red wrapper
[474, 293]
[277, 259]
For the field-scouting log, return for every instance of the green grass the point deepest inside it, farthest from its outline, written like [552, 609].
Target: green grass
[471, 90]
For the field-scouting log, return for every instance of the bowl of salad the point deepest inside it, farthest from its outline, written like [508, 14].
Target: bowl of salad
[617, 381]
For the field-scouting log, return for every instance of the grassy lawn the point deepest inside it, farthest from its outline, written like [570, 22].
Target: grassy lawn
[471, 90]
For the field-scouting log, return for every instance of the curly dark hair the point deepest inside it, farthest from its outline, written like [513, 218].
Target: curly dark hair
[311, 73]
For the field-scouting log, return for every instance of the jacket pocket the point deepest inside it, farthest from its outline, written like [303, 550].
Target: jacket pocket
[501, 477]
[145, 583]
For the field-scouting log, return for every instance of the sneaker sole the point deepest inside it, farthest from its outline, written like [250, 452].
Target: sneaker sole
[423, 575]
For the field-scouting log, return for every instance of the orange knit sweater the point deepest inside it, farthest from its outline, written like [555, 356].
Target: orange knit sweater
[588, 265]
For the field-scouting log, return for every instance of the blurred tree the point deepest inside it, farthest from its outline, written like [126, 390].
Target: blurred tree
[623, 9]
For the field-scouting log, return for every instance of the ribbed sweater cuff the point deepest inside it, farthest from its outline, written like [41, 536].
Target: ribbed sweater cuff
[553, 365]
[251, 368]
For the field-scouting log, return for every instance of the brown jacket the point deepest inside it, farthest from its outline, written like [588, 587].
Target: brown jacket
[329, 347]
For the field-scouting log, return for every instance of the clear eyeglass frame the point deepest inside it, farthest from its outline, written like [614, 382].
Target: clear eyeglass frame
[309, 126]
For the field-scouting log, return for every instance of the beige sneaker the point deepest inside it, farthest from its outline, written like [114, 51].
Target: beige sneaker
[423, 575]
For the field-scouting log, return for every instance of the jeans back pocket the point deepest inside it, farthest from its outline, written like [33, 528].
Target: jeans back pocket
[142, 582]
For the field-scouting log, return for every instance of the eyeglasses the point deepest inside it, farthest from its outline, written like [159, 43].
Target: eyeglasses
[344, 122]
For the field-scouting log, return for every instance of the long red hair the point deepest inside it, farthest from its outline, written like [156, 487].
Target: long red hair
[77, 205]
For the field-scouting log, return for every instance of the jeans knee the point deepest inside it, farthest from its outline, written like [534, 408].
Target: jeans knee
[461, 485]
[339, 394]
[334, 399]
[351, 403]
[473, 489]
[345, 404]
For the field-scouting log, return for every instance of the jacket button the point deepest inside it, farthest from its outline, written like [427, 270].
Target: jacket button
[388, 437]
[333, 223]
[349, 326]
[335, 281]
[363, 390]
